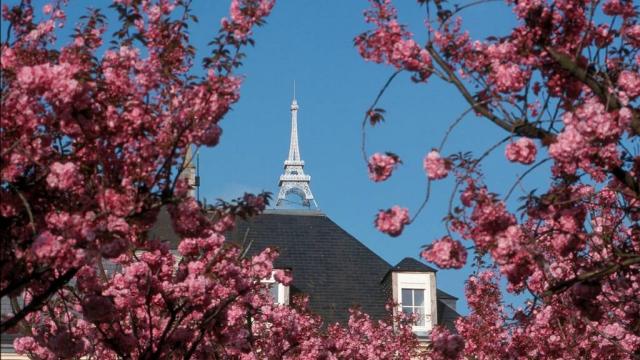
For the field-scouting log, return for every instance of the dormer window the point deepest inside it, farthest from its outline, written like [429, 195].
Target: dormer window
[413, 287]
[279, 293]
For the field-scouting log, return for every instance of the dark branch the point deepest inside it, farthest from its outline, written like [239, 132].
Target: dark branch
[38, 301]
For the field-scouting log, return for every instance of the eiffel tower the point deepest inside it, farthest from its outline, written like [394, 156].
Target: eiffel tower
[294, 180]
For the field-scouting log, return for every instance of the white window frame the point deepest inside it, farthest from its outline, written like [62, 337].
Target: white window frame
[405, 303]
[283, 290]
[417, 281]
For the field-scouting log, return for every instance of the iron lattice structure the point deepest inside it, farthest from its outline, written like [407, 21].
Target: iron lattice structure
[294, 180]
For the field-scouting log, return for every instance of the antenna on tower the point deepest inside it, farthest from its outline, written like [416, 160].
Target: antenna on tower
[294, 89]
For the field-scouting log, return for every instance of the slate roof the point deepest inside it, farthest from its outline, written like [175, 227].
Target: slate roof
[327, 263]
[446, 315]
[332, 266]
[412, 265]
[163, 229]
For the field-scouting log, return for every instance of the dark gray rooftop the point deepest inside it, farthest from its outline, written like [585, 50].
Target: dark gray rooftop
[330, 265]
[163, 229]
[333, 267]
[446, 315]
[412, 265]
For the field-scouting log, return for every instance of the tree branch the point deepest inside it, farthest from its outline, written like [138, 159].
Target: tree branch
[599, 89]
[523, 128]
[520, 128]
[39, 301]
[591, 275]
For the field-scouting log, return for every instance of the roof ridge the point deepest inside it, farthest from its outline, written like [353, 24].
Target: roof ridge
[445, 295]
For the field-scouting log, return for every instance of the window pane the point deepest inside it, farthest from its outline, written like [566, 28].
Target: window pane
[418, 296]
[273, 289]
[421, 321]
[407, 310]
[406, 297]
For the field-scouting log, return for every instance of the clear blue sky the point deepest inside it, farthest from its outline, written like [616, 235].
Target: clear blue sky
[312, 42]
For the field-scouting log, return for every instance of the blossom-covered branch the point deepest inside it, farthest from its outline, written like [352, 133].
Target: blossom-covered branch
[564, 82]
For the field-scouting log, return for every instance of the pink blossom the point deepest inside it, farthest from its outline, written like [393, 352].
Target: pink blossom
[632, 34]
[435, 166]
[392, 44]
[445, 344]
[508, 77]
[79, 41]
[117, 224]
[568, 143]
[117, 203]
[283, 276]
[28, 345]
[517, 270]
[446, 253]
[225, 223]
[629, 82]
[382, 165]
[618, 7]
[47, 245]
[507, 244]
[56, 82]
[7, 57]
[522, 151]
[590, 133]
[63, 176]
[188, 247]
[624, 117]
[244, 14]
[392, 221]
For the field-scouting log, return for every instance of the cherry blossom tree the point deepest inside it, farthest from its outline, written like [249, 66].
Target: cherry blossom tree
[564, 85]
[95, 136]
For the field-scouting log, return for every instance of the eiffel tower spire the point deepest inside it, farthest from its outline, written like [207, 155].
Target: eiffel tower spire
[294, 179]
[189, 172]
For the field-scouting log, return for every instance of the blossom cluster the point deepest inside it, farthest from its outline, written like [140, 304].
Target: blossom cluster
[382, 165]
[391, 43]
[244, 15]
[446, 253]
[435, 166]
[392, 221]
[523, 151]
